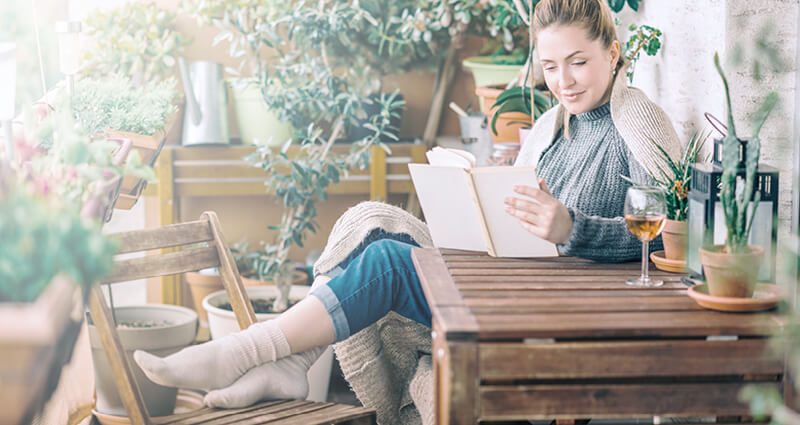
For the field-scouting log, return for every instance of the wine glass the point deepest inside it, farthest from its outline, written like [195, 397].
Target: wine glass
[645, 214]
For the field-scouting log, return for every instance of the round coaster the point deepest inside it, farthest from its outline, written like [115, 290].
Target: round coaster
[667, 265]
[765, 297]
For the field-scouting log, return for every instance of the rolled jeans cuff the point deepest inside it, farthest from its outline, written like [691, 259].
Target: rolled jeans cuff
[331, 302]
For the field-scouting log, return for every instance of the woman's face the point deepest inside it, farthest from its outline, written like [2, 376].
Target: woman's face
[577, 70]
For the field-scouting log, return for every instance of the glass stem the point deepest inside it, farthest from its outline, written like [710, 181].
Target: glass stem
[645, 260]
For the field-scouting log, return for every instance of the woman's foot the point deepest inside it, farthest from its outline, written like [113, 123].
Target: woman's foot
[218, 363]
[282, 379]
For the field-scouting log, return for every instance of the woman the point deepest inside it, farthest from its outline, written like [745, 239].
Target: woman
[601, 129]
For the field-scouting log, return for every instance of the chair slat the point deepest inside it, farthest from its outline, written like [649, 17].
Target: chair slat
[164, 237]
[122, 371]
[188, 260]
[240, 302]
[209, 413]
[333, 414]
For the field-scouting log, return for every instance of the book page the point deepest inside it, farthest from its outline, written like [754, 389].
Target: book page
[451, 211]
[450, 157]
[510, 239]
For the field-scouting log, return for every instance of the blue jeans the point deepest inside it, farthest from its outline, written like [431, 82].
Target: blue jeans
[376, 278]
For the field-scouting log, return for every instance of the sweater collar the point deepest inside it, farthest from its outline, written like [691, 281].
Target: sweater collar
[600, 112]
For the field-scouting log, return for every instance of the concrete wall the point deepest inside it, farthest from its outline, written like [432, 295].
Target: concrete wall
[682, 78]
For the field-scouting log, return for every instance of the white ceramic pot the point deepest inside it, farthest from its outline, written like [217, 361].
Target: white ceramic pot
[223, 322]
[159, 340]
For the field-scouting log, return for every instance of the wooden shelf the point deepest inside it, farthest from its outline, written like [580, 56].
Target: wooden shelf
[200, 171]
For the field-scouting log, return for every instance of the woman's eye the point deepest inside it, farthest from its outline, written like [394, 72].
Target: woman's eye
[579, 63]
[550, 68]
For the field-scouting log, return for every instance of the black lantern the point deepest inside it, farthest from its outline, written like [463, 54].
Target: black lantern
[706, 220]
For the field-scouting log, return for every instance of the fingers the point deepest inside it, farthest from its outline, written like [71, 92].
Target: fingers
[544, 188]
[542, 196]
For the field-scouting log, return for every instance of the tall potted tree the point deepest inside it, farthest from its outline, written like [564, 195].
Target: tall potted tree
[731, 269]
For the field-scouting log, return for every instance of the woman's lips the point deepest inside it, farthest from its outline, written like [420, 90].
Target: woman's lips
[571, 96]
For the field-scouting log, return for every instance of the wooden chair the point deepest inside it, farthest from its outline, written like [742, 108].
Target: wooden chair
[170, 261]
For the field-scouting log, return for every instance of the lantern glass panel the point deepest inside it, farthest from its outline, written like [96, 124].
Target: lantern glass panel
[697, 225]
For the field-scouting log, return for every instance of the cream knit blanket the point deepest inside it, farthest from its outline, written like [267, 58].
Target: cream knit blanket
[640, 122]
[387, 364]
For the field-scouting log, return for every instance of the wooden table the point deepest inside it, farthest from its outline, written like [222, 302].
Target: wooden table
[566, 338]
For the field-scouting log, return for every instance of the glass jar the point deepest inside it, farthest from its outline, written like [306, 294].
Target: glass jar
[504, 153]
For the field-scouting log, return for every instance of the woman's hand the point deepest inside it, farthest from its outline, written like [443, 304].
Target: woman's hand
[542, 214]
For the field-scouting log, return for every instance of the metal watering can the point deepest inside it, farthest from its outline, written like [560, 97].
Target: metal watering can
[206, 117]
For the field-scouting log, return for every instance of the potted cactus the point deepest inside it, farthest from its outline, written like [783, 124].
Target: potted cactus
[731, 269]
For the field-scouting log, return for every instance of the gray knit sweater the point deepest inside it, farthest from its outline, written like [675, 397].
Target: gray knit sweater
[583, 172]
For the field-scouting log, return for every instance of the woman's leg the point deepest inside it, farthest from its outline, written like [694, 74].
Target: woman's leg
[379, 280]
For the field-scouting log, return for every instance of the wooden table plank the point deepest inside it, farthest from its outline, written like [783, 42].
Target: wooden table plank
[624, 324]
[577, 293]
[500, 284]
[577, 401]
[617, 359]
[534, 305]
[456, 320]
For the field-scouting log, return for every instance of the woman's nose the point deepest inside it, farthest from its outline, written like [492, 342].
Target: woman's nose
[565, 77]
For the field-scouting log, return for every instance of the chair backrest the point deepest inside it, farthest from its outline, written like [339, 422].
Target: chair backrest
[194, 246]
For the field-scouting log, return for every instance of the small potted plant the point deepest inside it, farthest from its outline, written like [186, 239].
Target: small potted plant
[511, 112]
[732, 269]
[116, 108]
[676, 182]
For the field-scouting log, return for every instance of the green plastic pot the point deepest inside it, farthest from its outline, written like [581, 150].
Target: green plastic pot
[255, 121]
[487, 72]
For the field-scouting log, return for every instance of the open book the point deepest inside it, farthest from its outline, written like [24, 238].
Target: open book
[464, 206]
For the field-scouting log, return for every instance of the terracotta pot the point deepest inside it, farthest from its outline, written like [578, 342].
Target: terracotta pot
[731, 275]
[676, 239]
[506, 131]
[201, 285]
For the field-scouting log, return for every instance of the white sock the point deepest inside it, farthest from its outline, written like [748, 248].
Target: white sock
[217, 363]
[282, 379]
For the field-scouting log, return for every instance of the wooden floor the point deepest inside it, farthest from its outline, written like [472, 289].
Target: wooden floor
[279, 412]
[75, 395]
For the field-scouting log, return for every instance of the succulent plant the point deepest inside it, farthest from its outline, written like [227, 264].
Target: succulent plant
[736, 192]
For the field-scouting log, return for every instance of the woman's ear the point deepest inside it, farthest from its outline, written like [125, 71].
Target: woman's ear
[614, 53]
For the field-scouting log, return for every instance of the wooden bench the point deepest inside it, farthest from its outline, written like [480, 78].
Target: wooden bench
[564, 338]
[202, 245]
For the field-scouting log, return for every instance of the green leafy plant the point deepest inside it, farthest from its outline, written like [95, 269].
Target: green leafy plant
[618, 5]
[138, 40]
[677, 179]
[643, 38]
[518, 99]
[117, 104]
[300, 180]
[46, 227]
[737, 193]
[42, 239]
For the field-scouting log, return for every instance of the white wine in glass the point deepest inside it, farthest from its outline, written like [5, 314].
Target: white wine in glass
[646, 215]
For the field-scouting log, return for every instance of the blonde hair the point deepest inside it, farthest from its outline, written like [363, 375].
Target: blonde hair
[592, 15]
